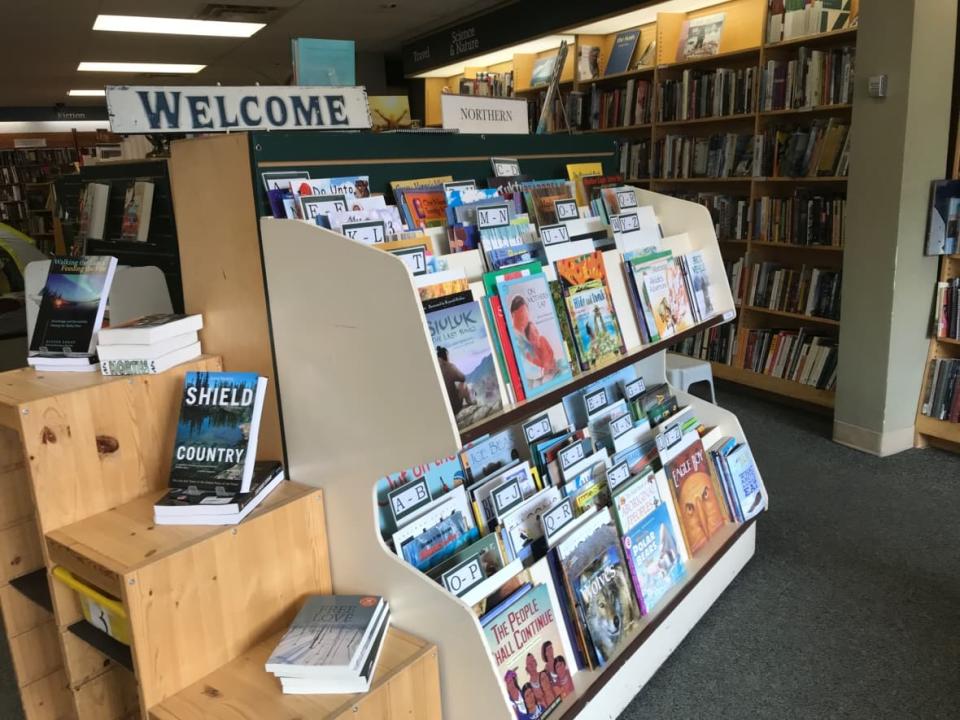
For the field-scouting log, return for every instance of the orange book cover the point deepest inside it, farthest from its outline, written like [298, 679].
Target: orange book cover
[700, 507]
[427, 208]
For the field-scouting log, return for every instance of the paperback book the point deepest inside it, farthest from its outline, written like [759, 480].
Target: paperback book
[191, 507]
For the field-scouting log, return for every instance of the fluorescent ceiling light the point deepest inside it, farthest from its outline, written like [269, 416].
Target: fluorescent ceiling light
[175, 26]
[642, 17]
[173, 68]
[87, 93]
[550, 42]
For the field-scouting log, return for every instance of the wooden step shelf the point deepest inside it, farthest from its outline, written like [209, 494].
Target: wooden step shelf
[406, 684]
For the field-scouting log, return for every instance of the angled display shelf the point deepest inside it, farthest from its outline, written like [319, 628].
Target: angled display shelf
[361, 396]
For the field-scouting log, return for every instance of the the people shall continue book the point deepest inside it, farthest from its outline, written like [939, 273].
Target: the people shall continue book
[71, 308]
[216, 443]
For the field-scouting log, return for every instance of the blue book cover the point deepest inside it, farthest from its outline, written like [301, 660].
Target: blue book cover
[621, 54]
[535, 333]
[216, 443]
[324, 62]
[442, 476]
[653, 556]
[748, 488]
[467, 362]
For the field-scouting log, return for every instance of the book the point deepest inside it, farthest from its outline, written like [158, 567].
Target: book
[521, 526]
[748, 491]
[621, 54]
[486, 455]
[942, 226]
[72, 304]
[700, 507]
[149, 329]
[331, 642]
[534, 333]
[700, 37]
[523, 634]
[443, 527]
[150, 365]
[697, 278]
[93, 211]
[466, 361]
[137, 209]
[588, 62]
[598, 581]
[216, 441]
[542, 70]
[179, 507]
[441, 476]
[146, 352]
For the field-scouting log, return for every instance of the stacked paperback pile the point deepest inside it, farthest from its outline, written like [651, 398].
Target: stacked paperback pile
[333, 645]
[214, 478]
[148, 345]
[72, 305]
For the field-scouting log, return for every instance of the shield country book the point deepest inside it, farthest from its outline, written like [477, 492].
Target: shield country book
[534, 333]
[524, 638]
[467, 363]
[72, 304]
[216, 442]
[699, 505]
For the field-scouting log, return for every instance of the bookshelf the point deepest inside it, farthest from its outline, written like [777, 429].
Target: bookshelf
[743, 45]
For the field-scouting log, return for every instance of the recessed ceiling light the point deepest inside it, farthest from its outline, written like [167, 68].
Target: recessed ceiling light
[175, 26]
[173, 68]
[87, 93]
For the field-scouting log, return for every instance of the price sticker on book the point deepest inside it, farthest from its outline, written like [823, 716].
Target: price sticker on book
[537, 428]
[566, 209]
[460, 185]
[414, 258]
[618, 475]
[369, 232]
[669, 437]
[627, 222]
[507, 496]
[493, 216]
[464, 577]
[571, 455]
[626, 199]
[554, 234]
[505, 167]
[634, 389]
[408, 499]
[557, 518]
[595, 401]
[621, 425]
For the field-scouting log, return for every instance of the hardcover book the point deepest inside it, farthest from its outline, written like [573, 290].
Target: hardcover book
[699, 506]
[444, 526]
[72, 304]
[700, 37]
[748, 490]
[542, 70]
[216, 443]
[622, 53]
[534, 333]
[467, 363]
[137, 209]
[441, 475]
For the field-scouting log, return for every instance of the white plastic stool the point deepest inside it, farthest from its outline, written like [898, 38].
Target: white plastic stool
[683, 371]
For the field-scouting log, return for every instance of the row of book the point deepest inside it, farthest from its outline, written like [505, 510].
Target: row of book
[805, 291]
[730, 213]
[572, 526]
[817, 150]
[805, 218]
[797, 355]
[634, 157]
[737, 278]
[37, 156]
[719, 155]
[621, 107]
[716, 344]
[946, 317]
[789, 19]
[814, 78]
[941, 398]
[707, 93]
[488, 84]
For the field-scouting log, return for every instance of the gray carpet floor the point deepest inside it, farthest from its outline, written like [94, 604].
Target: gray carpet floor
[851, 607]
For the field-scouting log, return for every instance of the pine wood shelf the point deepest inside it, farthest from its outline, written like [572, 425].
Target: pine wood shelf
[769, 383]
[35, 587]
[800, 180]
[818, 39]
[639, 72]
[795, 316]
[620, 129]
[706, 59]
[103, 643]
[795, 246]
[947, 340]
[406, 684]
[940, 429]
[801, 112]
[704, 180]
[714, 120]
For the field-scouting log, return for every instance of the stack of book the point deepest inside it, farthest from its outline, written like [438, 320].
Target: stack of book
[333, 645]
[214, 478]
[72, 305]
[150, 344]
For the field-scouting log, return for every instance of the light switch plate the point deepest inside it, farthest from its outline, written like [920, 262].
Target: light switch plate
[877, 86]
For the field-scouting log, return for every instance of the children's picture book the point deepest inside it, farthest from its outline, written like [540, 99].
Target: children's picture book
[488, 454]
[487, 549]
[597, 578]
[424, 208]
[216, 442]
[588, 62]
[467, 363]
[624, 45]
[748, 490]
[697, 278]
[137, 208]
[700, 37]
[699, 505]
[72, 304]
[441, 476]
[442, 528]
[522, 526]
[577, 171]
[534, 333]
[525, 637]
[542, 70]
[355, 186]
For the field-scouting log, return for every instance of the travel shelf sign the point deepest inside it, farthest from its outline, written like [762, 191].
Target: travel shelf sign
[475, 114]
[156, 109]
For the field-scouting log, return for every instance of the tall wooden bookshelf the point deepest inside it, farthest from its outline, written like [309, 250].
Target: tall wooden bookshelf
[743, 44]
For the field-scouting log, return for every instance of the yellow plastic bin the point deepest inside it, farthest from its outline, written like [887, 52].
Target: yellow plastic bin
[101, 611]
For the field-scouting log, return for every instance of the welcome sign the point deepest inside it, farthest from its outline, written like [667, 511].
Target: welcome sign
[478, 114]
[150, 109]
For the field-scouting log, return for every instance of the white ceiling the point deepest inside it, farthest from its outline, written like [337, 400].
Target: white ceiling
[44, 40]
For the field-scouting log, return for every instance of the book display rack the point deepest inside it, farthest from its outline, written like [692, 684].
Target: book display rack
[358, 388]
[769, 214]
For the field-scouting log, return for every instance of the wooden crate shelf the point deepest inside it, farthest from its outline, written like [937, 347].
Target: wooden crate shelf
[406, 684]
[35, 587]
[103, 643]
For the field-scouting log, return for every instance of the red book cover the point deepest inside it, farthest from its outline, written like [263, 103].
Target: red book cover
[504, 337]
